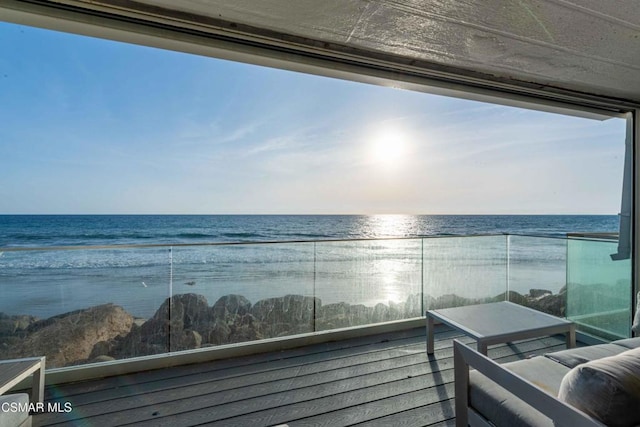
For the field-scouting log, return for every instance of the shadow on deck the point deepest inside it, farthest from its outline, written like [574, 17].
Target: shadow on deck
[379, 380]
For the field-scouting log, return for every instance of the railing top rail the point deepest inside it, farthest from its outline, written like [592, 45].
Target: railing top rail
[573, 236]
[592, 237]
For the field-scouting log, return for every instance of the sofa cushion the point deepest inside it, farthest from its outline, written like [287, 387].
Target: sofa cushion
[635, 328]
[11, 417]
[575, 356]
[628, 343]
[607, 389]
[503, 408]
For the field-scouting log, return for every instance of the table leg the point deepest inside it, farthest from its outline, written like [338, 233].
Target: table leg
[37, 387]
[430, 326]
[571, 336]
[482, 347]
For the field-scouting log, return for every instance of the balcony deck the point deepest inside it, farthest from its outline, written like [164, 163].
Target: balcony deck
[379, 380]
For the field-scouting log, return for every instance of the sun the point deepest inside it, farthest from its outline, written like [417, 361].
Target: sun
[389, 147]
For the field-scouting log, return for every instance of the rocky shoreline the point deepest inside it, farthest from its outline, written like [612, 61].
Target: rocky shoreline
[187, 321]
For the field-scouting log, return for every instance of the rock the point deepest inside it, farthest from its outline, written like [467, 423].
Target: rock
[180, 323]
[100, 348]
[538, 293]
[15, 325]
[184, 311]
[554, 304]
[538, 299]
[342, 315]
[359, 314]
[70, 338]
[413, 306]
[450, 300]
[102, 359]
[291, 314]
[190, 339]
[245, 329]
[380, 314]
[229, 306]
[333, 316]
[396, 310]
[512, 296]
[219, 333]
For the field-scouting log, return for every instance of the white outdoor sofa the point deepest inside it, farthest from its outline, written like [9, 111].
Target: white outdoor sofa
[602, 380]
[14, 408]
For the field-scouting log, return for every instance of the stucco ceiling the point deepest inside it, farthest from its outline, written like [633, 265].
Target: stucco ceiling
[582, 46]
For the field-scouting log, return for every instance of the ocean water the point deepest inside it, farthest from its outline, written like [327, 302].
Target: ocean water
[55, 264]
[79, 230]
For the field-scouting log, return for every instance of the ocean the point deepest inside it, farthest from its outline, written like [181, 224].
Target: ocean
[53, 264]
[87, 230]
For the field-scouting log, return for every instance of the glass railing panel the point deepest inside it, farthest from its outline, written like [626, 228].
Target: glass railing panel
[464, 270]
[81, 306]
[598, 288]
[225, 294]
[365, 282]
[538, 273]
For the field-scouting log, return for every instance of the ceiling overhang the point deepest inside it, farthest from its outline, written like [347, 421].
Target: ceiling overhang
[564, 55]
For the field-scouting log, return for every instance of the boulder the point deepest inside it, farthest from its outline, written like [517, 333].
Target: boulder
[550, 303]
[182, 322]
[70, 338]
[288, 315]
[246, 328]
[397, 310]
[219, 333]
[342, 315]
[451, 300]
[380, 314]
[413, 306]
[538, 293]
[16, 325]
[100, 359]
[229, 306]
[185, 311]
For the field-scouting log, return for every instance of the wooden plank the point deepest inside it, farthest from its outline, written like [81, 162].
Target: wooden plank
[239, 388]
[202, 409]
[171, 379]
[358, 411]
[375, 409]
[309, 353]
[288, 407]
[416, 352]
[409, 355]
[438, 414]
[308, 387]
[84, 409]
[451, 422]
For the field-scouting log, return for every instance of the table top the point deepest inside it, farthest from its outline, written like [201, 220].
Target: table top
[11, 371]
[495, 319]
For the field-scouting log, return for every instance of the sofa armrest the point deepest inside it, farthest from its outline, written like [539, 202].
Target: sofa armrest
[464, 358]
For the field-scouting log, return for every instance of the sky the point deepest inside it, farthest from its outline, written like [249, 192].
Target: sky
[90, 126]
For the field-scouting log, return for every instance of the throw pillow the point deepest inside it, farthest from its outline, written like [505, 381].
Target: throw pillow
[607, 389]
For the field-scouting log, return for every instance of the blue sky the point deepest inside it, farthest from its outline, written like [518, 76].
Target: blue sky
[93, 126]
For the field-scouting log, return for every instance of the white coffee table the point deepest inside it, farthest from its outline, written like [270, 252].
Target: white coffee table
[14, 371]
[499, 322]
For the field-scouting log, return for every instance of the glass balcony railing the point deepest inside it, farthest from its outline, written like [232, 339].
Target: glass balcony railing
[86, 305]
[537, 273]
[464, 270]
[599, 290]
[363, 282]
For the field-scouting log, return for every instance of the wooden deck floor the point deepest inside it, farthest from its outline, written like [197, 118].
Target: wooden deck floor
[380, 380]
